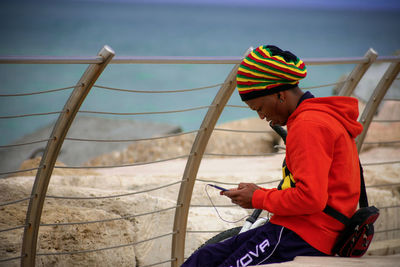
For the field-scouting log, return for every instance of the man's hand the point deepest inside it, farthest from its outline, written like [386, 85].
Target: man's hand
[242, 195]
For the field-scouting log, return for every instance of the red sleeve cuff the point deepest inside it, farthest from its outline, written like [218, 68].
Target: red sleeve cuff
[258, 198]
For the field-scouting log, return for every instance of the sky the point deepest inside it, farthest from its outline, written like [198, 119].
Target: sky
[329, 4]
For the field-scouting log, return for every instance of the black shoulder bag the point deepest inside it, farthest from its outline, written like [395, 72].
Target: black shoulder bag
[359, 229]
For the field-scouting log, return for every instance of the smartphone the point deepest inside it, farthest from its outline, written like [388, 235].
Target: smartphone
[218, 187]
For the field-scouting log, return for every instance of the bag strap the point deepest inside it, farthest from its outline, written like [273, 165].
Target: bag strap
[363, 201]
[337, 215]
[363, 193]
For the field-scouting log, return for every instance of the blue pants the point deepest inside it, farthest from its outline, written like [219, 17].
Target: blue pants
[269, 243]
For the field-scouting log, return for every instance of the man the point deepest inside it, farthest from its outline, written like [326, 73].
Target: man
[321, 167]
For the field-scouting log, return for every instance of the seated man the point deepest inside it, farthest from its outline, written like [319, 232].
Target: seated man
[321, 167]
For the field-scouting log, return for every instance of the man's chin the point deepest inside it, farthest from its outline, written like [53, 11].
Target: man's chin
[278, 123]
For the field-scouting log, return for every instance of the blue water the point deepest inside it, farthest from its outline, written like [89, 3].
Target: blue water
[74, 28]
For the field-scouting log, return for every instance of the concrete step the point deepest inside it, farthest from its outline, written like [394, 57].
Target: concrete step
[365, 261]
[384, 247]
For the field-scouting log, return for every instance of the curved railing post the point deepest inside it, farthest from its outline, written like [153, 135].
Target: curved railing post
[28, 252]
[358, 72]
[376, 98]
[193, 164]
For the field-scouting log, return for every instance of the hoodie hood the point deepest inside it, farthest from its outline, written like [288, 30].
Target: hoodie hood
[342, 108]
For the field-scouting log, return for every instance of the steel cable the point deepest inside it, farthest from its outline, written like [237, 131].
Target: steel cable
[242, 155]
[111, 219]
[115, 196]
[37, 93]
[380, 163]
[25, 170]
[323, 85]
[382, 185]
[123, 165]
[11, 259]
[236, 106]
[31, 115]
[144, 113]
[385, 121]
[226, 183]
[241, 131]
[215, 205]
[158, 91]
[102, 249]
[381, 142]
[205, 231]
[13, 228]
[161, 137]
[391, 99]
[27, 143]
[15, 201]
[108, 113]
[133, 140]
[389, 207]
[387, 230]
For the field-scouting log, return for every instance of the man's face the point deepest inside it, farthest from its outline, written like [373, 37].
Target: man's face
[269, 108]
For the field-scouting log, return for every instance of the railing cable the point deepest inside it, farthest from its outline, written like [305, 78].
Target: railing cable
[236, 106]
[25, 170]
[123, 165]
[11, 259]
[15, 201]
[228, 183]
[111, 219]
[242, 155]
[158, 91]
[144, 113]
[382, 185]
[115, 196]
[108, 113]
[324, 85]
[389, 121]
[389, 207]
[387, 230]
[13, 228]
[380, 163]
[37, 93]
[242, 131]
[27, 143]
[381, 142]
[106, 248]
[391, 99]
[31, 115]
[215, 205]
[205, 231]
[133, 140]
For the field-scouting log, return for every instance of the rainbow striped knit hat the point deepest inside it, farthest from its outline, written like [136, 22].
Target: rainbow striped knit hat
[268, 70]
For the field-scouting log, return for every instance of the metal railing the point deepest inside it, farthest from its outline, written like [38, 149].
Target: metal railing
[176, 60]
[194, 157]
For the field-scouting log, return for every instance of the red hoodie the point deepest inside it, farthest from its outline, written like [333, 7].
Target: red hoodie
[321, 155]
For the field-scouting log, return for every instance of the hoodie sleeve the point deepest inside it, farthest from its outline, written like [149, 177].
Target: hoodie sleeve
[309, 152]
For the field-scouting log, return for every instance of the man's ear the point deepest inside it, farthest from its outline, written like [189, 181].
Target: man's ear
[281, 97]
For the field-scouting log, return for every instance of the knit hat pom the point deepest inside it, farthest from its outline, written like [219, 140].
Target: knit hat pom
[268, 70]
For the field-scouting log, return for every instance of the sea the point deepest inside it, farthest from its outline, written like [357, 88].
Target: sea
[82, 28]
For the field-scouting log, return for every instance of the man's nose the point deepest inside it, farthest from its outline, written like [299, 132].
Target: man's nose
[261, 115]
